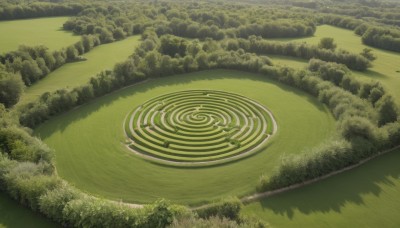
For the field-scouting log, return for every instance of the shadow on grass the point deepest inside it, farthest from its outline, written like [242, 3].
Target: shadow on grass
[14, 215]
[370, 74]
[349, 187]
[95, 105]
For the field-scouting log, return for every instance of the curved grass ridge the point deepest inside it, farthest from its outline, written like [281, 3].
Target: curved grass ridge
[198, 127]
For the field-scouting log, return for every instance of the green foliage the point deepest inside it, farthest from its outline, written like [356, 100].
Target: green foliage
[387, 109]
[327, 158]
[217, 222]
[11, 88]
[353, 127]
[226, 208]
[382, 38]
[72, 53]
[26, 183]
[327, 43]
[53, 202]
[367, 53]
[304, 51]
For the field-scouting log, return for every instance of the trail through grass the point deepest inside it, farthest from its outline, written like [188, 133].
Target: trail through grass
[90, 151]
[31, 32]
[78, 73]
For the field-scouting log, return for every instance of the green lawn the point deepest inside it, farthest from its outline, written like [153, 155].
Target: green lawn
[46, 31]
[365, 197]
[13, 215]
[281, 60]
[384, 67]
[90, 154]
[78, 73]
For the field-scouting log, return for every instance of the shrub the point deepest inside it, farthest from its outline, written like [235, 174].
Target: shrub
[26, 184]
[226, 208]
[328, 157]
[356, 126]
[53, 202]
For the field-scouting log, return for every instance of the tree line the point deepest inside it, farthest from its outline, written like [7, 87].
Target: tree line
[9, 11]
[299, 50]
[28, 65]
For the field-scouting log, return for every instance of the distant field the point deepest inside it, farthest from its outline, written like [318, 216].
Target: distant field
[90, 152]
[78, 73]
[384, 67]
[13, 215]
[46, 31]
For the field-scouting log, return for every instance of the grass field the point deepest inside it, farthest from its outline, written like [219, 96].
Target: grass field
[46, 31]
[90, 154]
[365, 197]
[13, 215]
[78, 73]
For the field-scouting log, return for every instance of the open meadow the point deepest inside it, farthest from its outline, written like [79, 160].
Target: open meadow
[32, 32]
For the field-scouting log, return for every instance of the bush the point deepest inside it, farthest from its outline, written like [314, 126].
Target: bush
[327, 43]
[26, 183]
[356, 126]
[329, 157]
[393, 130]
[53, 202]
[227, 208]
[387, 110]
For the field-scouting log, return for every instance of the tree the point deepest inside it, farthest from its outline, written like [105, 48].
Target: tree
[327, 43]
[367, 53]
[72, 53]
[30, 71]
[88, 42]
[119, 34]
[11, 88]
[387, 109]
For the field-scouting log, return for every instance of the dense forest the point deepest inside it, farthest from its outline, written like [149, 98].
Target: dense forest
[180, 37]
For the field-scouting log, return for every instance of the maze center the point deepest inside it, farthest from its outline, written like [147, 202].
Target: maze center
[198, 127]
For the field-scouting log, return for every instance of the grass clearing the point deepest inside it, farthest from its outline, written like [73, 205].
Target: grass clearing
[13, 215]
[78, 73]
[90, 152]
[32, 32]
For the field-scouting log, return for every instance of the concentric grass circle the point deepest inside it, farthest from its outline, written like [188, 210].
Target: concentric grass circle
[198, 127]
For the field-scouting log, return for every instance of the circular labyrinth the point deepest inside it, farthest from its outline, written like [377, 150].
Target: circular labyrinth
[198, 127]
